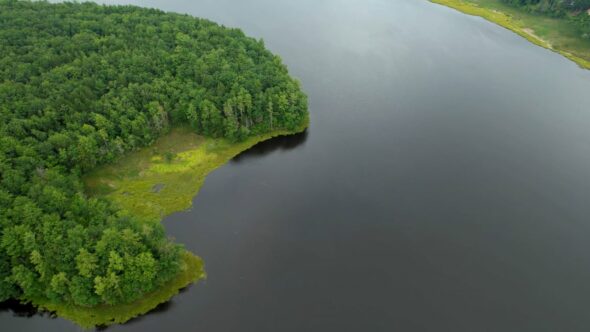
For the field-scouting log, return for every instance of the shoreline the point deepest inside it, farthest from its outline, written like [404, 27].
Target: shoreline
[162, 203]
[507, 21]
[104, 315]
[148, 186]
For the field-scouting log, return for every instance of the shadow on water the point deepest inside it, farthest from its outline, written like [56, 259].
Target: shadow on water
[27, 310]
[283, 143]
[18, 309]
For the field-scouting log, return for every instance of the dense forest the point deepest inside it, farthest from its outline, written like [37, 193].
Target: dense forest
[81, 85]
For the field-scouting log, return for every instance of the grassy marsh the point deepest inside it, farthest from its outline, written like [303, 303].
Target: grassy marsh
[165, 177]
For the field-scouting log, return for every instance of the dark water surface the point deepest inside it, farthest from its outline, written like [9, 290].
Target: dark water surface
[444, 184]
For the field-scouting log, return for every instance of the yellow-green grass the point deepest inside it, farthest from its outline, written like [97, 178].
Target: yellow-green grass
[130, 183]
[557, 34]
[148, 184]
[104, 315]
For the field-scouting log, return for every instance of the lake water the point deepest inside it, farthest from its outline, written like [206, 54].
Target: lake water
[444, 183]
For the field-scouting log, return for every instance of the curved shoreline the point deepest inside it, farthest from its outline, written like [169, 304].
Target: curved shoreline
[166, 203]
[506, 21]
[147, 185]
[104, 315]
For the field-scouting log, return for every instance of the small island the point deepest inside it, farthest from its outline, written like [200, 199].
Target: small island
[561, 26]
[110, 119]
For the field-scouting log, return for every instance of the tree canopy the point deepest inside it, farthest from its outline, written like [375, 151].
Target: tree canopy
[577, 11]
[552, 6]
[80, 85]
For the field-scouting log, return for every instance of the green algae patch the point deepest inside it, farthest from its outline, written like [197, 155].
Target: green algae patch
[555, 34]
[165, 177]
[192, 270]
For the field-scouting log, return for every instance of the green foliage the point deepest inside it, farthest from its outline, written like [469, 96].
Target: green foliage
[553, 7]
[576, 11]
[92, 315]
[169, 156]
[83, 84]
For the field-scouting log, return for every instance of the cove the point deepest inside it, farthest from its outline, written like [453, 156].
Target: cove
[152, 183]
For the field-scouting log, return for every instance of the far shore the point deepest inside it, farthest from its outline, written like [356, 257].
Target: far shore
[524, 25]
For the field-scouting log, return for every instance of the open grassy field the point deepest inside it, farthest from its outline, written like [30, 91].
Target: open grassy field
[557, 34]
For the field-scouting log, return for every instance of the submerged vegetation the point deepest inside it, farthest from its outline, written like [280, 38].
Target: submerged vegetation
[561, 26]
[83, 85]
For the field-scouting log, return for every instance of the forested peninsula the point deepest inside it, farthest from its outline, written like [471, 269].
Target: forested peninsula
[561, 26]
[98, 105]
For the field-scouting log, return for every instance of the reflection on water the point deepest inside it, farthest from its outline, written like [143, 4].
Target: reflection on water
[26, 310]
[19, 309]
[283, 143]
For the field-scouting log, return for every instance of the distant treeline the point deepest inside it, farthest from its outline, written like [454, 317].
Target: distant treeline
[575, 10]
[82, 84]
[558, 7]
